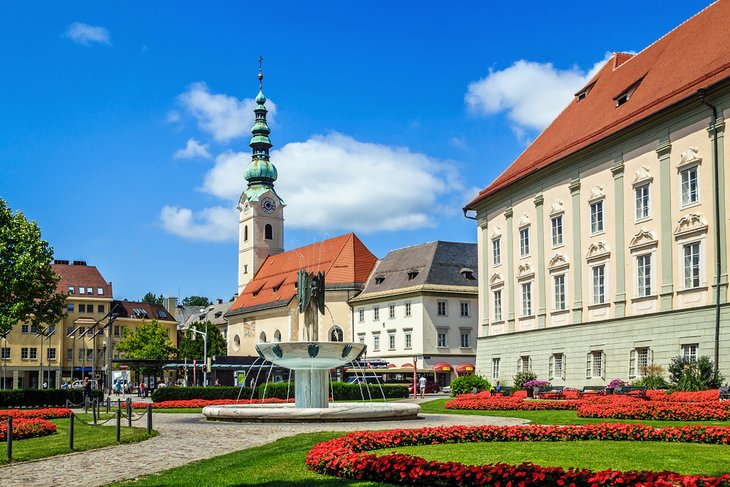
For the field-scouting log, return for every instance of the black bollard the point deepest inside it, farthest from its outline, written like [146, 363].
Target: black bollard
[93, 410]
[10, 438]
[71, 431]
[108, 404]
[119, 425]
[129, 412]
[149, 419]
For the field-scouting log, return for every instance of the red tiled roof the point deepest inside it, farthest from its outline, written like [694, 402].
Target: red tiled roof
[77, 275]
[694, 55]
[343, 259]
[126, 309]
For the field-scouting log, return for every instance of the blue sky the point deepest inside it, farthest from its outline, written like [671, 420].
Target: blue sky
[387, 118]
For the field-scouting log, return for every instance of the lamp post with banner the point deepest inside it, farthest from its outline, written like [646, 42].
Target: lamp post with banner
[204, 334]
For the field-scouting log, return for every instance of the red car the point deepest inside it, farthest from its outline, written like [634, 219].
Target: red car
[431, 386]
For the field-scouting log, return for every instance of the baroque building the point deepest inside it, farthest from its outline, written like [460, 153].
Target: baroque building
[602, 247]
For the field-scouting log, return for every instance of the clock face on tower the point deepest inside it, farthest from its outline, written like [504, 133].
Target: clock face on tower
[268, 205]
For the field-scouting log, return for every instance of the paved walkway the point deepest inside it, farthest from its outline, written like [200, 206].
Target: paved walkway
[185, 438]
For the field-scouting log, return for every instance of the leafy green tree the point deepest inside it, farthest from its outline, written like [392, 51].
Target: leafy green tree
[687, 374]
[193, 348]
[27, 281]
[149, 341]
[466, 384]
[151, 298]
[196, 301]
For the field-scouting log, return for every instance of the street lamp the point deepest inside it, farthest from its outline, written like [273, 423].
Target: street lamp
[5, 356]
[205, 350]
[44, 334]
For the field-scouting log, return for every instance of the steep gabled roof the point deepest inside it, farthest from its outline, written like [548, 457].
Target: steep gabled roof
[694, 55]
[141, 311]
[343, 259]
[433, 263]
[78, 275]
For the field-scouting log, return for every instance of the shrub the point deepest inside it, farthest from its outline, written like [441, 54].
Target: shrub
[43, 397]
[522, 377]
[210, 393]
[652, 377]
[353, 392]
[531, 384]
[687, 374]
[466, 384]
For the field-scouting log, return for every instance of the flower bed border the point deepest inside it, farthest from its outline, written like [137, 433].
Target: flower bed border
[24, 428]
[201, 403]
[347, 456]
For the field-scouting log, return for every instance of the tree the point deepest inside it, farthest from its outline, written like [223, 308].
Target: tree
[151, 298]
[196, 301]
[193, 348]
[149, 341]
[27, 281]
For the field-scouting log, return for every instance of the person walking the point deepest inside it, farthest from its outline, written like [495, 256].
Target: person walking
[422, 386]
[87, 389]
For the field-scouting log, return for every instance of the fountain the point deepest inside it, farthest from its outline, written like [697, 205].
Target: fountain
[311, 361]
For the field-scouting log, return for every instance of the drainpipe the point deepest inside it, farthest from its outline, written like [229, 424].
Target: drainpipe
[718, 261]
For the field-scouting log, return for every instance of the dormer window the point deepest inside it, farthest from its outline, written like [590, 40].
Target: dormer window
[412, 275]
[584, 92]
[276, 288]
[467, 273]
[624, 96]
[379, 280]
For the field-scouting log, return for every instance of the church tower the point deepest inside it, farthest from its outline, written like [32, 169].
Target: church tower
[261, 210]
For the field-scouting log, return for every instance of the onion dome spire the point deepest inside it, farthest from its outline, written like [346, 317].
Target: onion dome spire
[260, 170]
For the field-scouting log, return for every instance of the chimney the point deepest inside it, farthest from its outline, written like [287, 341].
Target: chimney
[219, 301]
[170, 304]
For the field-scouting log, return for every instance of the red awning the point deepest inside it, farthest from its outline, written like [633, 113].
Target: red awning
[465, 368]
[442, 367]
[410, 364]
[390, 366]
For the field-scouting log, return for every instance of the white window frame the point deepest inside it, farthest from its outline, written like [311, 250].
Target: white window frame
[525, 241]
[51, 356]
[391, 311]
[639, 357]
[391, 340]
[642, 202]
[407, 305]
[526, 299]
[465, 309]
[376, 313]
[442, 308]
[376, 342]
[556, 231]
[645, 275]
[593, 284]
[690, 350]
[442, 332]
[408, 339]
[496, 252]
[524, 364]
[688, 273]
[685, 197]
[495, 367]
[33, 353]
[598, 217]
[465, 333]
[497, 305]
[596, 365]
[556, 366]
[361, 315]
[5, 353]
[560, 292]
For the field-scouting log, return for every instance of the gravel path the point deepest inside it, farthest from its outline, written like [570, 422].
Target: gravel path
[185, 438]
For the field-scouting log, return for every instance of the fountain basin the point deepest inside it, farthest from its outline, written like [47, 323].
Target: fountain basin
[336, 412]
[310, 355]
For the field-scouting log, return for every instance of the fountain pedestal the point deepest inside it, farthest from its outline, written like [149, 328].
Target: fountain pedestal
[311, 388]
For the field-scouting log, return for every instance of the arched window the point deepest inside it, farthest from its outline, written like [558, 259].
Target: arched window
[336, 334]
[277, 336]
[262, 337]
[245, 233]
[268, 232]
[236, 343]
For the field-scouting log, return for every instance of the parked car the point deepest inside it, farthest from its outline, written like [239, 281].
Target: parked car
[431, 386]
[368, 379]
[79, 384]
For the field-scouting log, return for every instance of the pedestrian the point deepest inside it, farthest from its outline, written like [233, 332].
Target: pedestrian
[140, 391]
[87, 389]
[422, 386]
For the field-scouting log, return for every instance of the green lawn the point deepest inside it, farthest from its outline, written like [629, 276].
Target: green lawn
[276, 464]
[86, 437]
[554, 417]
[686, 458]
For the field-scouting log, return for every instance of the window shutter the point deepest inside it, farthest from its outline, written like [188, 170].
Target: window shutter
[529, 364]
[551, 363]
[588, 365]
[562, 372]
[651, 356]
[632, 363]
[603, 365]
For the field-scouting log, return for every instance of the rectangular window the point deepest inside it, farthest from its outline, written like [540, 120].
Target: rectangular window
[557, 226]
[409, 339]
[89, 354]
[408, 309]
[70, 307]
[99, 291]
[24, 353]
[82, 290]
[559, 292]
[24, 328]
[642, 202]
[376, 313]
[525, 241]
[70, 289]
[51, 354]
[116, 330]
[643, 268]
[527, 299]
[361, 338]
[465, 311]
[34, 353]
[391, 311]
[642, 359]
[465, 339]
[376, 343]
[82, 308]
[442, 310]
[89, 290]
[597, 217]
[498, 305]
[496, 252]
[596, 365]
[362, 315]
[524, 364]
[689, 351]
[495, 368]
[690, 186]
[442, 339]
[391, 341]
[69, 354]
[100, 308]
[691, 254]
[556, 367]
[5, 353]
[599, 284]
[82, 354]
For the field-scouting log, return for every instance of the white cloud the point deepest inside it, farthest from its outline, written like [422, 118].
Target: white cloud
[335, 182]
[216, 224]
[224, 117]
[193, 149]
[532, 94]
[86, 34]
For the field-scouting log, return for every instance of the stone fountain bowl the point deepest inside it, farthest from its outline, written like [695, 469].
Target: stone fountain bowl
[310, 355]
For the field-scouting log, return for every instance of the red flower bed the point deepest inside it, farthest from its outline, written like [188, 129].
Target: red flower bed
[661, 410]
[712, 395]
[347, 456]
[201, 403]
[26, 428]
[43, 413]
[484, 401]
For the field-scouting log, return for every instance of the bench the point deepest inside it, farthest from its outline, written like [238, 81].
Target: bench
[629, 390]
[504, 391]
[599, 390]
[725, 393]
[552, 391]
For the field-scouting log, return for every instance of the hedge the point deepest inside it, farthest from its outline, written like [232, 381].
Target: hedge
[13, 398]
[210, 393]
